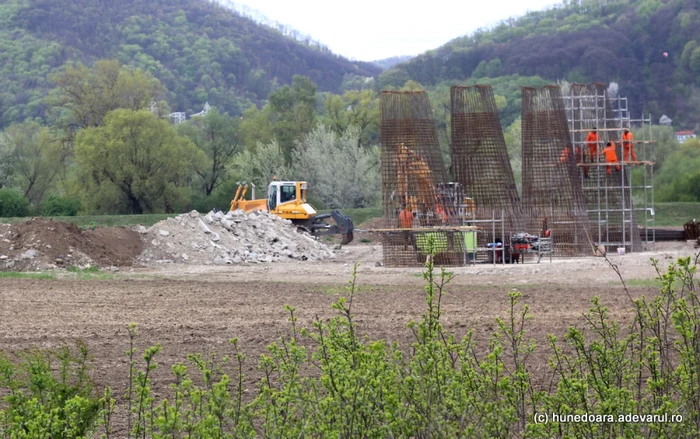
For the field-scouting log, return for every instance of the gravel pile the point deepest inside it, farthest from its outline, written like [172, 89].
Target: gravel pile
[232, 238]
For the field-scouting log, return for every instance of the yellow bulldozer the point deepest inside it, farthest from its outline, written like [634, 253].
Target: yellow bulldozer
[287, 199]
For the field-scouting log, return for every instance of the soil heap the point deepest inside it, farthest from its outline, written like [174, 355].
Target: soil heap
[235, 237]
[45, 244]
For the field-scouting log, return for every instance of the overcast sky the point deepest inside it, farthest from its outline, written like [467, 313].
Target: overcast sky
[369, 30]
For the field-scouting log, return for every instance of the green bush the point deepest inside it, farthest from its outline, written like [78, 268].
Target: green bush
[56, 205]
[220, 198]
[329, 381]
[49, 395]
[13, 204]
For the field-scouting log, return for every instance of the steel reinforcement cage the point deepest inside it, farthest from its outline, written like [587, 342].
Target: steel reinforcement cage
[552, 198]
[480, 161]
[412, 171]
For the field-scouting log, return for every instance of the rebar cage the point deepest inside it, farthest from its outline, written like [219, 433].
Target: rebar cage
[412, 174]
[553, 198]
[480, 161]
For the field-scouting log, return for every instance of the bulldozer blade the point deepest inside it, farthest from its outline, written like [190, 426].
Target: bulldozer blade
[343, 226]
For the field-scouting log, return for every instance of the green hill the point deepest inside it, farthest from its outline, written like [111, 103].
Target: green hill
[201, 52]
[582, 41]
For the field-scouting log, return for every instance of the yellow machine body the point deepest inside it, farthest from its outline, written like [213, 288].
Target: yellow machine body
[284, 198]
[287, 199]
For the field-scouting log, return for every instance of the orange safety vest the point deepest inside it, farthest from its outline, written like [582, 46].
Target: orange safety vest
[441, 213]
[628, 146]
[592, 142]
[406, 219]
[610, 154]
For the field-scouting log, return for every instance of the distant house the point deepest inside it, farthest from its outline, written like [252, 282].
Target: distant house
[682, 136]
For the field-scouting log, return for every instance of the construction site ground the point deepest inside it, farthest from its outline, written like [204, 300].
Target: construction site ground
[197, 308]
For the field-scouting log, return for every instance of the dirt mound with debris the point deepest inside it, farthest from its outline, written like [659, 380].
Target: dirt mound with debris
[45, 244]
[235, 237]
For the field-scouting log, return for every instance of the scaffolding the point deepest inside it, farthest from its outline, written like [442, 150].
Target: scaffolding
[553, 198]
[619, 192]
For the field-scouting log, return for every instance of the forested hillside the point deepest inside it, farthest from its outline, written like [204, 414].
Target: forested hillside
[199, 51]
[582, 41]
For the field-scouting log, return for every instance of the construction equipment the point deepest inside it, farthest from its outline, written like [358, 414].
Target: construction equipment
[287, 199]
[420, 195]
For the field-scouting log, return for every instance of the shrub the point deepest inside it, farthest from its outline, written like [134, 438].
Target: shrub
[56, 205]
[12, 203]
[50, 395]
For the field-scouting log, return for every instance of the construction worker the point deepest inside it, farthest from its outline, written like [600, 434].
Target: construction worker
[628, 147]
[592, 143]
[441, 213]
[610, 157]
[406, 222]
[564, 157]
[405, 217]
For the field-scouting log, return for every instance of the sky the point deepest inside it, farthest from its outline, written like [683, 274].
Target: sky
[369, 30]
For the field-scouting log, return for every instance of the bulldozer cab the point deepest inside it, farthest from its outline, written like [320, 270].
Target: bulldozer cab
[282, 192]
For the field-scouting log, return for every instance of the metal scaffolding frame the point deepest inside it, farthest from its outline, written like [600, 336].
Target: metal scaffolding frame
[614, 199]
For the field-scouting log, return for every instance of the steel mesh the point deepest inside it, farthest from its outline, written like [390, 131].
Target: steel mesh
[412, 173]
[480, 159]
[553, 198]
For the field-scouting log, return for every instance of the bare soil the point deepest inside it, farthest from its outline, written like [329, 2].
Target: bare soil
[42, 244]
[191, 309]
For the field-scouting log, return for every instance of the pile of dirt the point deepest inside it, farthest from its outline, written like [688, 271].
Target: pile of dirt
[45, 244]
[235, 237]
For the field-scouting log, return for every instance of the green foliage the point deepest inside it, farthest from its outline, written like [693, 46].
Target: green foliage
[679, 179]
[293, 110]
[330, 381]
[84, 96]
[37, 158]
[340, 172]
[135, 163]
[216, 135]
[56, 205]
[199, 51]
[261, 165]
[355, 108]
[13, 204]
[18, 275]
[220, 198]
[621, 41]
[513, 137]
[49, 395]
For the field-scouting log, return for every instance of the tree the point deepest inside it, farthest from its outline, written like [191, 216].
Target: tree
[6, 150]
[294, 112]
[216, 135]
[341, 173]
[37, 158]
[261, 164]
[359, 108]
[513, 137]
[85, 95]
[674, 181]
[363, 112]
[135, 163]
[256, 127]
[336, 114]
